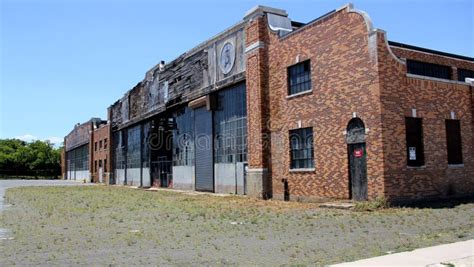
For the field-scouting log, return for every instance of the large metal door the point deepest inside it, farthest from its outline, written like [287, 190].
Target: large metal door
[204, 169]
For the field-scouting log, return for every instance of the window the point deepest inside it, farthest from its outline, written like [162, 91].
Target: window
[230, 125]
[301, 148]
[105, 165]
[428, 69]
[299, 78]
[120, 149]
[463, 74]
[145, 146]
[95, 165]
[414, 140]
[95, 146]
[105, 143]
[183, 138]
[453, 141]
[100, 144]
[133, 147]
[78, 159]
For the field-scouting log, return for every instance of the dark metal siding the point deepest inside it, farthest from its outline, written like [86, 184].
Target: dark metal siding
[204, 148]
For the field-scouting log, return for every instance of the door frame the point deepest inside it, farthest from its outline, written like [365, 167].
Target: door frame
[355, 135]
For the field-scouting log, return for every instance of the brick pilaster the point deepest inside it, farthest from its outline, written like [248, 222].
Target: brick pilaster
[258, 136]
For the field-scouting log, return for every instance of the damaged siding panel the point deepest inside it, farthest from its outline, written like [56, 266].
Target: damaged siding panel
[79, 136]
[116, 114]
[124, 109]
[189, 76]
[136, 101]
[183, 76]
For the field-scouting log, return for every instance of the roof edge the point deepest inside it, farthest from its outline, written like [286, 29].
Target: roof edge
[430, 51]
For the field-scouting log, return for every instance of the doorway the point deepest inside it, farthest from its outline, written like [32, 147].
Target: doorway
[356, 148]
[204, 168]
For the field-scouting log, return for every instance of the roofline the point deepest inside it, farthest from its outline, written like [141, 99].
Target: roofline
[93, 119]
[426, 50]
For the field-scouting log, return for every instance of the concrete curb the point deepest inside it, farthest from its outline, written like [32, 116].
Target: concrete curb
[460, 253]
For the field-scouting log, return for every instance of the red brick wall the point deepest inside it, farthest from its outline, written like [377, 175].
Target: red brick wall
[257, 95]
[433, 58]
[100, 134]
[344, 80]
[433, 101]
[353, 71]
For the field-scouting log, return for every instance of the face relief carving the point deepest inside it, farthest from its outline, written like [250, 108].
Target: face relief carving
[227, 57]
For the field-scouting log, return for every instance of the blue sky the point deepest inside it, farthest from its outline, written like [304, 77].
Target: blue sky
[63, 62]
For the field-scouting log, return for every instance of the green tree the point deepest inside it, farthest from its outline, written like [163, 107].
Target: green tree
[37, 158]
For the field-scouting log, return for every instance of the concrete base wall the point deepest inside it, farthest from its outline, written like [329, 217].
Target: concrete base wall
[183, 177]
[119, 176]
[229, 178]
[80, 175]
[146, 180]
[133, 177]
[258, 183]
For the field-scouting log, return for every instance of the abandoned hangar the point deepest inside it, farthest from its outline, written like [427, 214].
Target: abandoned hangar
[274, 108]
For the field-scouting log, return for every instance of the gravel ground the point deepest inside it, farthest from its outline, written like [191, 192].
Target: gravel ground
[120, 226]
[5, 184]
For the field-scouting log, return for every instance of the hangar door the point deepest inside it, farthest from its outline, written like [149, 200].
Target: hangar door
[204, 150]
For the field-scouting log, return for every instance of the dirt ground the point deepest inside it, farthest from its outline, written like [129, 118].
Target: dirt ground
[102, 225]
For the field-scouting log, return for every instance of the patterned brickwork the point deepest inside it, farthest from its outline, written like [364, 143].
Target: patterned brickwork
[433, 58]
[344, 80]
[257, 95]
[101, 134]
[353, 72]
[434, 101]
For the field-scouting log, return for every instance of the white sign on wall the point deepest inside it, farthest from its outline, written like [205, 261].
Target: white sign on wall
[412, 153]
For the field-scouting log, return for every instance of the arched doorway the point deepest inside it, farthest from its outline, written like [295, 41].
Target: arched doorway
[355, 139]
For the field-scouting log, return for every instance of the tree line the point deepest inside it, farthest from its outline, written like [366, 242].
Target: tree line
[31, 159]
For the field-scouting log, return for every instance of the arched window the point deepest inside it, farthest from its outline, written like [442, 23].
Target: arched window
[355, 131]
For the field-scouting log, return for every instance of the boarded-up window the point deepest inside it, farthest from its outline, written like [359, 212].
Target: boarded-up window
[428, 69]
[453, 140]
[301, 148]
[463, 74]
[414, 141]
[299, 78]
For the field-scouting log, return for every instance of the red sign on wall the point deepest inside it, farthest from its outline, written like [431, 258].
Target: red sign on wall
[358, 153]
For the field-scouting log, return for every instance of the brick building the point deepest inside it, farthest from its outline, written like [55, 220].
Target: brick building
[274, 108]
[86, 152]
[100, 143]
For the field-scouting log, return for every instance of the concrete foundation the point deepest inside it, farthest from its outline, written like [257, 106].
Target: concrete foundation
[146, 179]
[183, 177]
[258, 183]
[120, 176]
[229, 178]
[133, 177]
